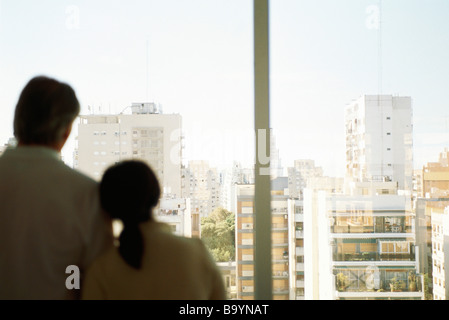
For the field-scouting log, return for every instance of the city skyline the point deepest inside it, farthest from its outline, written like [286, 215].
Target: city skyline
[323, 55]
[356, 88]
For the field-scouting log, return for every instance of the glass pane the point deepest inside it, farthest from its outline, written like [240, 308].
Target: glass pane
[164, 81]
[357, 111]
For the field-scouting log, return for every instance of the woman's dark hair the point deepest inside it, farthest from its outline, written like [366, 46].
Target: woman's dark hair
[45, 109]
[129, 190]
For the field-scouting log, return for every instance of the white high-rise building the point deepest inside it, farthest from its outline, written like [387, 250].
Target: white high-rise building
[440, 254]
[276, 169]
[379, 140]
[176, 214]
[229, 178]
[202, 187]
[146, 134]
[302, 170]
[362, 244]
[360, 247]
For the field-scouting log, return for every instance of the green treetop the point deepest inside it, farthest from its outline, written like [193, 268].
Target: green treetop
[218, 234]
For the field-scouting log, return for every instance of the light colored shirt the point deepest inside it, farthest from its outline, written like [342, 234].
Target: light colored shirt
[173, 268]
[50, 218]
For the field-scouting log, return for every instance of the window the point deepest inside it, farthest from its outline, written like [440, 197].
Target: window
[391, 247]
[331, 64]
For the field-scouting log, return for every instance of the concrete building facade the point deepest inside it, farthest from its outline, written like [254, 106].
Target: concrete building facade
[145, 135]
[202, 186]
[245, 245]
[379, 140]
[435, 177]
[361, 247]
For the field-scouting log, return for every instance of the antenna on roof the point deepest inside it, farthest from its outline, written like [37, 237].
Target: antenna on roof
[147, 69]
[380, 48]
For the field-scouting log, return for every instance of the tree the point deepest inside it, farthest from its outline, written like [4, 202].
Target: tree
[428, 291]
[218, 234]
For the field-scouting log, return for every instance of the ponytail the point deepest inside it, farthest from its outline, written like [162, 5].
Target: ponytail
[131, 245]
[129, 190]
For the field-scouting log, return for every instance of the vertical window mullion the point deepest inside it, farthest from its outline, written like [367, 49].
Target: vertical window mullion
[262, 258]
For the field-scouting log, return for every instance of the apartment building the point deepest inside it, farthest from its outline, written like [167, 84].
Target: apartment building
[227, 270]
[379, 140]
[304, 175]
[302, 170]
[440, 254]
[245, 217]
[365, 247]
[417, 184]
[202, 186]
[145, 134]
[435, 177]
[317, 273]
[431, 209]
[176, 213]
[229, 178]
[362, 244]
[296, 248]
[276, 168]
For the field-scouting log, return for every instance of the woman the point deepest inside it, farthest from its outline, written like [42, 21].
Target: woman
[150, 262]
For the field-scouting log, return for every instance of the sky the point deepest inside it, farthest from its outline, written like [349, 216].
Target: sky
[195, 58]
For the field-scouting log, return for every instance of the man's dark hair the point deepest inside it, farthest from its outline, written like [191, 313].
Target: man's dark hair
[45, 109]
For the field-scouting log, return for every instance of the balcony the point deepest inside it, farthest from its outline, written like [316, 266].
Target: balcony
[384, 287]
[376, 224]
[280, 291]
[300, 283]
[373, 256]
[279, 243]
[369, 229]
[279, 210]
[299, 266]
[280, 259]
[279, 227]
[280, 274]
[379, 285]
[379, 295]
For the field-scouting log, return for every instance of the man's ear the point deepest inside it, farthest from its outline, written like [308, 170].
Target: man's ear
[65, 136]
[67, 132]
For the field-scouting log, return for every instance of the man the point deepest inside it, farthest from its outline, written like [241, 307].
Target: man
[50, 214]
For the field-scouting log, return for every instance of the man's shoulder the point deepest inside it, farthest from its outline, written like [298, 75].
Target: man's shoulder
[41, 159]
[75, 175]
[73, 172]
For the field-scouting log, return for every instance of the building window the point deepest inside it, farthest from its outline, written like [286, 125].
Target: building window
[394, 247]
[295, 113]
